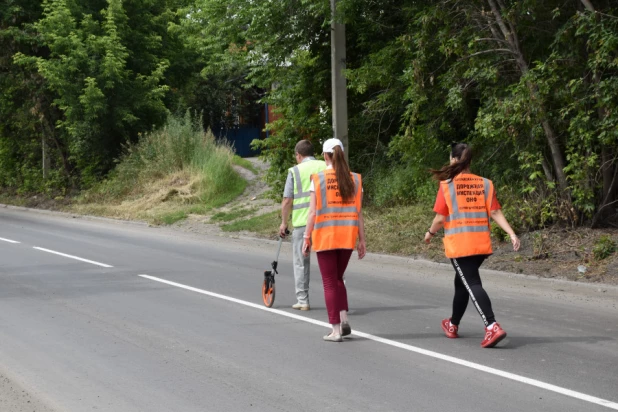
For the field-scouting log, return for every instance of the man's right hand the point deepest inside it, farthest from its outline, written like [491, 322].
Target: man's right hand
[283, 229]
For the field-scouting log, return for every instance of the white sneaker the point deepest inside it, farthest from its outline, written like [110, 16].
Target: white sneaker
[301, 306]
[333, 338]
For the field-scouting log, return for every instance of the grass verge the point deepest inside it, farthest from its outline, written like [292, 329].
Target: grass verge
[397, 230]
[401, 230]
[266, 225]
[232, 215]
[12, 199]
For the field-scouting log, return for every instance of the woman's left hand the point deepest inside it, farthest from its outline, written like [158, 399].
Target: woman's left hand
[361, 249]
[428, 237]
[515, 241]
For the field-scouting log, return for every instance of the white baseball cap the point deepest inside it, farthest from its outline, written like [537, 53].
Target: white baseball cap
[330, 144]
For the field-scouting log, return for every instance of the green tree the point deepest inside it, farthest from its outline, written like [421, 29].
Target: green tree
[105, 69]
[281, 48]
[25, 107]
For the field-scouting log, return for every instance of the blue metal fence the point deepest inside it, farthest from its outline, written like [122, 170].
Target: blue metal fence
[240, 138]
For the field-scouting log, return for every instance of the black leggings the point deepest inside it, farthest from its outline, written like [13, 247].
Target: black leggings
[468, 285]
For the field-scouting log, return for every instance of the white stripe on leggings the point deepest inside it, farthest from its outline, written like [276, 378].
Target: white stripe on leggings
[465, 282]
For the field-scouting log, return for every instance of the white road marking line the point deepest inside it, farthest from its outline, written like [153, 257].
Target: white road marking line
[73, 257]
[436, 355]
[8, 240]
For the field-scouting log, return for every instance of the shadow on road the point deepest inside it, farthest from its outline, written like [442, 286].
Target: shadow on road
[410, 336]
[509, 343]
[364, 311]
[514, 342]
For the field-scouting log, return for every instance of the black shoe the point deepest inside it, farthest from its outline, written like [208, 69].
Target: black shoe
[345, 329]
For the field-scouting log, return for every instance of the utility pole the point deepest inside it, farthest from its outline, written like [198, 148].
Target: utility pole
[339, 90]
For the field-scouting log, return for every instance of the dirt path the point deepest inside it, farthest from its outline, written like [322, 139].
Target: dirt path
[253, 202]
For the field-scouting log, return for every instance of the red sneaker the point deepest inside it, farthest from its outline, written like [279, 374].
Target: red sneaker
[450, 330]
[493, 336]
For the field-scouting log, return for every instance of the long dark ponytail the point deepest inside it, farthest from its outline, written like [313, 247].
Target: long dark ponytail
[463, 153]
[342, 172]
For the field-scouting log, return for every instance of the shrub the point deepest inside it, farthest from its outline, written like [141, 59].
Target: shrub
[398, 185]
[604, 247]
[527, 211]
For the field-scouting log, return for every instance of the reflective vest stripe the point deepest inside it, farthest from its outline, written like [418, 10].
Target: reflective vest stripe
[299, 185]
[464, 229]
[336, 222]
[453, 193]
[301, 206]
[322, 177]
[350, 209]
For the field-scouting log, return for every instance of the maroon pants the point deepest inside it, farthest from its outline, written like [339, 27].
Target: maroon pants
[332, 266]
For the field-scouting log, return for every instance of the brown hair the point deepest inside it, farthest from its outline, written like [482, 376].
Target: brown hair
[304, 148]
[342, 172]
[460, 151]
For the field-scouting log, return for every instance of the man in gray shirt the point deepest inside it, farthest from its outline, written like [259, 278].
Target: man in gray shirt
[296, 198]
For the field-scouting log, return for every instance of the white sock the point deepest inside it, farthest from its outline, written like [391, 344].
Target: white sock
[490, 327]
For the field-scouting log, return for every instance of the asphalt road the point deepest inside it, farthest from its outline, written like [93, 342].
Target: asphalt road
[156, 320]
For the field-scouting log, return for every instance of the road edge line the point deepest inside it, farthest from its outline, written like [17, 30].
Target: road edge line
[72, 257]
[487, 369]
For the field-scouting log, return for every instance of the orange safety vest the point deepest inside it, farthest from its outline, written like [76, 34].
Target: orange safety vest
[336, 220]
[466, 229]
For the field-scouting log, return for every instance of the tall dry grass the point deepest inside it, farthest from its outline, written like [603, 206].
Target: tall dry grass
[176, 170]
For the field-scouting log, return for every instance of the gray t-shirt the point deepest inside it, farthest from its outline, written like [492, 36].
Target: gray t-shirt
[288, 190]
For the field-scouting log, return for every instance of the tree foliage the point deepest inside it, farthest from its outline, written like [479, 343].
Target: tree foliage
[531, 84]
[101, 69]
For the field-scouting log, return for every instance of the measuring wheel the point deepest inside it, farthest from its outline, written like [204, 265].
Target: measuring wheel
[268, 286]
[268, 289]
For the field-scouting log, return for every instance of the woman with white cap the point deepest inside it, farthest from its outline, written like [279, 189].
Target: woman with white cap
[334, 225]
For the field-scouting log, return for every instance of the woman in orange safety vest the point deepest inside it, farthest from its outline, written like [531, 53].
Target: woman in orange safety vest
[334, 225]
[464, 205]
